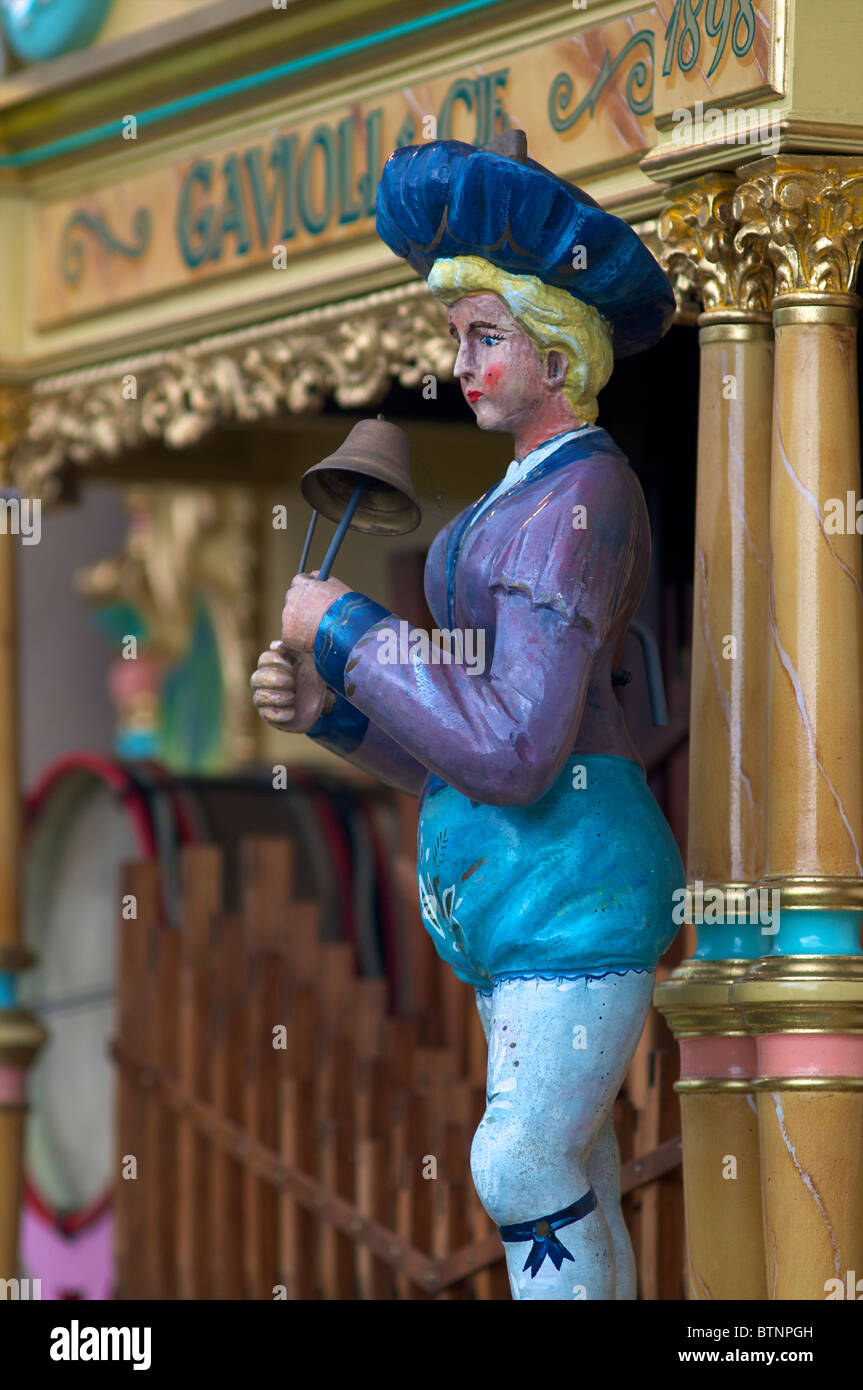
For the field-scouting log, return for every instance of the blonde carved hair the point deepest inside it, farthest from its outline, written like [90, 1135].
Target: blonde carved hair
[552, 319]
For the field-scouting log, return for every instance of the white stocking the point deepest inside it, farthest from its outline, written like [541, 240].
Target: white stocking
[558, 1052]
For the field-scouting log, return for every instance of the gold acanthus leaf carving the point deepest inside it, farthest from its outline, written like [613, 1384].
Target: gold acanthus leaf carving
[351, 351]
[699, 248]
[810, 217]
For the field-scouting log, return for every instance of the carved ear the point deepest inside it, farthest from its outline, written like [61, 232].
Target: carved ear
[556, 367]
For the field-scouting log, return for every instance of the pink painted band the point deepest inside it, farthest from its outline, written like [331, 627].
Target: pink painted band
[13, 1086]
[717, 1056]
[810, 1054]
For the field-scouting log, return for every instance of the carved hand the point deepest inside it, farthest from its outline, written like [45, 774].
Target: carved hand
[289, 693]
[306, 602]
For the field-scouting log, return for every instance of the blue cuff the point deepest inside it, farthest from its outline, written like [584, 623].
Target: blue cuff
[342, 625]
[342, 730]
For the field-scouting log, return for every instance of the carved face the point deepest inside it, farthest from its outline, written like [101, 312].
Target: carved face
[502, 375]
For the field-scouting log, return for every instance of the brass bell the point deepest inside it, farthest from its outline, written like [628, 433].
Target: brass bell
[377, 453]
[365, 484]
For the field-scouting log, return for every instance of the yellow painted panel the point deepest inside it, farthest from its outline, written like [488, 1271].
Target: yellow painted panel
[826, 43]
[582, 99]
[726, 52]
[131, 16]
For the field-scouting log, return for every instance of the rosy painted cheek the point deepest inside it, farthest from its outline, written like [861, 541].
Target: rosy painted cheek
[492, 376]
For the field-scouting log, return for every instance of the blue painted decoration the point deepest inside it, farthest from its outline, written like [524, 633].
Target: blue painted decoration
[72, 246]
[640, 76]
[543, 1234]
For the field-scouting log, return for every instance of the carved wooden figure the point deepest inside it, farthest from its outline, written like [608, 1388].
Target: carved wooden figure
[546, 870]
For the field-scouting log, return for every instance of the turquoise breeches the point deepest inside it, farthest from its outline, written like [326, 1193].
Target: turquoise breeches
[579, 883]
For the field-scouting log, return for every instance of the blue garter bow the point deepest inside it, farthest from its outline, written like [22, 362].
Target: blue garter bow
[542, 1233]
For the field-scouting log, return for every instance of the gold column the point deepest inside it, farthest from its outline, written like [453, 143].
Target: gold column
[805, 1001]
[727, 816]
[810, 213]
[20, 1035]
[807, 1013]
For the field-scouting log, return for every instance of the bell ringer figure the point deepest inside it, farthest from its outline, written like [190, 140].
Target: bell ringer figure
[546, 869]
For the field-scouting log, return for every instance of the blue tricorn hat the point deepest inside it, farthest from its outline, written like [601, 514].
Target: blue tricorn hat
[447, 198]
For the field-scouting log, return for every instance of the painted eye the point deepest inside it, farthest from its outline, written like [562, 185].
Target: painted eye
[489, 340]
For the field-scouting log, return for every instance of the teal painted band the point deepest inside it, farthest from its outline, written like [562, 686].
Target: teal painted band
[801, 932]
[7, 990]
[813, 932]
[732, 941]
[82, 139]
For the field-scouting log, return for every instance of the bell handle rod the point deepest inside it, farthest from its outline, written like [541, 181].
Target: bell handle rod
[324, 572]
[653, 670]
[307, 545]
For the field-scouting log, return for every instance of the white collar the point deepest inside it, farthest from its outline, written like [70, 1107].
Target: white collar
[519, 467]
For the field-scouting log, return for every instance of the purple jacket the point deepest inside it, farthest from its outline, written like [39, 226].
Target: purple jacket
[552, 573]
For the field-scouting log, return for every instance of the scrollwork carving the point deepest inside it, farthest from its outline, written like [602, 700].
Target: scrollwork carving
[351, 351]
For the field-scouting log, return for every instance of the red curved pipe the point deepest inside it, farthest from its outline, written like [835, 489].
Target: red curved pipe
[115, 776]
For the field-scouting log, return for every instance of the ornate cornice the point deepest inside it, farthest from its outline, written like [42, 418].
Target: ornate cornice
[350, 350]
[700, 249]
[807, 213]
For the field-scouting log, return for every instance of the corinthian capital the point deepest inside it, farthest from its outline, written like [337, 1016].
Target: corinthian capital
[697, 232]
[809, 213]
